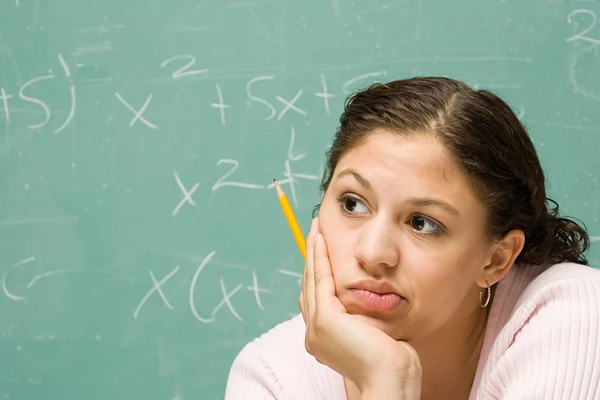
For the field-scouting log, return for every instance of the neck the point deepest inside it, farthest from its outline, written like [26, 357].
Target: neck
[450, 356]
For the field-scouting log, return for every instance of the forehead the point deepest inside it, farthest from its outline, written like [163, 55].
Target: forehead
[416, 165]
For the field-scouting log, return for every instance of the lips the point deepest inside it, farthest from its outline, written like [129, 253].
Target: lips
[379, 287]
[377, 296]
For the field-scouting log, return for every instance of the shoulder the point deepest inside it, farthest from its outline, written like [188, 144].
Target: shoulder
[573, 283]
[547, 334]
[537, 296]
[565, 275]
[527, 289]
[277, 362]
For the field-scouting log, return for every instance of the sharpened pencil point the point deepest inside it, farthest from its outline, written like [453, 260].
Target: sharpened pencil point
[278, 189]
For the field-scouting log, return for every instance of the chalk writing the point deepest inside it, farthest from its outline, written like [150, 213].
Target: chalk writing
[227, 300]
[71, 91]
[256, 290]
[5, 97]
[192, 292]
[290, 176]
[223, 182]
[577, 87]
[156, 288]
[294, 274]
[277, 106]
[7, 293]
[290, 105]
[325, 95]
[37, 101]
[137, 115]
[187, 195]
[582, 34]
[220, 105]
[252, 97]
[227, 295]
[186, 69]
[591, 48]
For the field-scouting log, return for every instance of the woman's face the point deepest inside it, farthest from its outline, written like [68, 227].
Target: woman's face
[398, 216]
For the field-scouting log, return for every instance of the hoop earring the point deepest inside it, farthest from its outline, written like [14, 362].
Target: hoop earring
[487, 297]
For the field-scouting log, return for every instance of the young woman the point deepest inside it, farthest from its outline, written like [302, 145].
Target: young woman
[437, 268]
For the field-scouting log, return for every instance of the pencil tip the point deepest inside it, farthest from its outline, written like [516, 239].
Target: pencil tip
[278, 188]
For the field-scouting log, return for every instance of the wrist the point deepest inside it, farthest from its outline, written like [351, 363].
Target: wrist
[394, 383]
[392, 391]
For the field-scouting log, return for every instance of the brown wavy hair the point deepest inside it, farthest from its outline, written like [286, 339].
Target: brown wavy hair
[486, 140]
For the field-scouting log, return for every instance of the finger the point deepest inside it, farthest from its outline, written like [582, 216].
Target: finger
[323, 276]
[309, 253]
[309, 287]
[301, 305]
[304, 307]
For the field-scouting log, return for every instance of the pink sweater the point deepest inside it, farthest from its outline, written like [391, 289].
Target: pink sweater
[542, 341]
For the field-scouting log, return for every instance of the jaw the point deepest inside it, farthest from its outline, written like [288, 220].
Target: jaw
[393, 324]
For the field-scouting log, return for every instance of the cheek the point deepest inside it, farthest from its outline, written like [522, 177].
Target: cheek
[459, 258]
[341, 257]
[442, 279]
[340, 241]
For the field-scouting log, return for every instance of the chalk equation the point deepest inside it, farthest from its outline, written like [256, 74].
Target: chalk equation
[179, 67]
[155, 291]
[586, 41]
[156, 286]
[290, 178]
[45, 109]
[226, 293]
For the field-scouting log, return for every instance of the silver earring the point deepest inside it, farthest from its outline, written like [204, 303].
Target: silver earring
[487, 297]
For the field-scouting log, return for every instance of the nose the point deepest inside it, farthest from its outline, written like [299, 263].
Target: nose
[377, 249]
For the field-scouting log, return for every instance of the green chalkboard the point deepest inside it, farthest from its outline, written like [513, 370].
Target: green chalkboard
[141, 243]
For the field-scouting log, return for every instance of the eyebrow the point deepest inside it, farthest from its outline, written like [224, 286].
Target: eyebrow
[363, 182]
[424, 202]
[413, 201]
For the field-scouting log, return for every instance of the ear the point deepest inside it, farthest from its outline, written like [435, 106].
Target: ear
[502, 257]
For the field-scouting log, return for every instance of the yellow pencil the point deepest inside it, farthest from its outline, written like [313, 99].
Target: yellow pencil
[291, 219]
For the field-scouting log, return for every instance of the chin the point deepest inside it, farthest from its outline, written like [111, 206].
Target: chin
[381, 324]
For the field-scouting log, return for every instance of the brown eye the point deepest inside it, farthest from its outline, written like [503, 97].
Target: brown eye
[423, 224]
[353, 206]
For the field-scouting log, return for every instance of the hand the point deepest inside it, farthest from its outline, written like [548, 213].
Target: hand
[357, 350]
